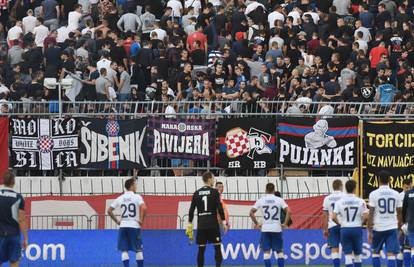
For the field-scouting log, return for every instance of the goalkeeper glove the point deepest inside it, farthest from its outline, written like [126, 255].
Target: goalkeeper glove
[190, 232]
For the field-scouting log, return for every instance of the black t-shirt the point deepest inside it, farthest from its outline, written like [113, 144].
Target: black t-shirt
[184, 79]
[208, 204]
[218, 81]
[34, 89]
[198, 57]
[118, 54]
[10, 204]
[221, 21]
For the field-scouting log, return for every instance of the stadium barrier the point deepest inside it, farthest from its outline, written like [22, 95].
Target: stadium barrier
[242, 188]
[152, 222]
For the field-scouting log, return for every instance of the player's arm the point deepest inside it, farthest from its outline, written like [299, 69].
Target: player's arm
[335, 218]
[287, 217]
[111, 214]
[23, 224]
[142, 213]
[253, 217]
[192, 209]
[370, 221]
[399, 217]
[325, 218]
[404, 209]
[220, 208]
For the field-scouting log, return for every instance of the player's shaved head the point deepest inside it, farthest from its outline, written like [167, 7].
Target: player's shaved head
[9, 179]
[337, 185]
[350, 186]
[384, 177]
[129, 183]
[207, 176]
[270, 188]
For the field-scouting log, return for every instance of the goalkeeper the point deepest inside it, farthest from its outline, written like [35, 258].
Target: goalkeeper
[208, 204]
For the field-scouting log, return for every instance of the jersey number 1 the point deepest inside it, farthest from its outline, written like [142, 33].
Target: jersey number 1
[205, 199]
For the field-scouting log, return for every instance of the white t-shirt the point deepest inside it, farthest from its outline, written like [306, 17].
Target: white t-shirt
[73, 20]
[129, 202]
[329, 205]
[29, 23]
[314, 15]
[196, 4]
[176, 7]
[160, 33]
[40, 32]
[14, 33]
[274, 16]
[271, 207]
[296, 16]
[385, 201]
[350, 210]
[402, 195]
[62, 34]
[103, 63]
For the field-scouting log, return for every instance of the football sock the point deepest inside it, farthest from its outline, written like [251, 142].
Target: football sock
[376, 262]
[218, 256]
[266, 258]
[140, 259]
[391, 261]
[357, 261]
[348, 261]
[125, 258]
[281, 259]
[200, 256]
[412, 257]
[336, 260]
[407, 258]
[399, 260]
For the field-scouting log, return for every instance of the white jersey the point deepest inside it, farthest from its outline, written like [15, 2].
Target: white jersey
[129, 202]
[350, 210]
[271, 207]
[329, 205]
[385, 201]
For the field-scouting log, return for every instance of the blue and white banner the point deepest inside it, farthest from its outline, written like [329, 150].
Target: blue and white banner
[170, 248]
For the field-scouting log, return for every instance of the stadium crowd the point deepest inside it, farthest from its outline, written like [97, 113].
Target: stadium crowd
[137, 50]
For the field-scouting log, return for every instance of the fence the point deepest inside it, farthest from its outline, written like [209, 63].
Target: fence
[209, 109]
[242, 188]
[159, 222]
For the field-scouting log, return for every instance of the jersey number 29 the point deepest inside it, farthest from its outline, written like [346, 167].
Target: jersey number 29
[129, 211]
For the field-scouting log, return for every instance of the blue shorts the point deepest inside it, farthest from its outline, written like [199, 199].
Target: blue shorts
[388, 238]
[334, 237]
[271, 241]
[10, 249]
[351, 240]
[129, 239]
[410, 237]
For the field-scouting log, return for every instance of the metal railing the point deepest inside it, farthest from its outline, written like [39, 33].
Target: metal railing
[158, 222]
[209, 109]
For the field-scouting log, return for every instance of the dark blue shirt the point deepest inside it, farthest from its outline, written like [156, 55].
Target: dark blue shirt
[408, 210]
[10, 204]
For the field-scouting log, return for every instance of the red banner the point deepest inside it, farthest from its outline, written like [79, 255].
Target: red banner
[164, 212]
[4, 147]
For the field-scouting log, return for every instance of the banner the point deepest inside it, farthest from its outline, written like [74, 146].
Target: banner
[113, 144]
[306, 142]
[389, 146]
[181, 139]
[246, 143]
[44, 144]
[88, 248]
[4, 146]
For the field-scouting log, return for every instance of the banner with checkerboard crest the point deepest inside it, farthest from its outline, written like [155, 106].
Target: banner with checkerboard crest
[44, 144]
[247, 143]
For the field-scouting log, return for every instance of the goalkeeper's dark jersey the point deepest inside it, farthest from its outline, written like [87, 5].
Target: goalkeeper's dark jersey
[208, 204]
[408, 210]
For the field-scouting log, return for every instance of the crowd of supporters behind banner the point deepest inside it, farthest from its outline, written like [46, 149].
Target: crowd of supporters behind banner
[138, 50]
